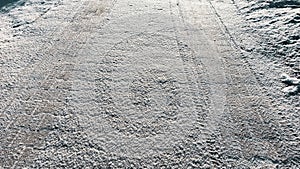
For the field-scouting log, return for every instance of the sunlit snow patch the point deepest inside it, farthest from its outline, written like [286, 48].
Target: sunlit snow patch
[285, 78]
[291, 89]
[292, 82]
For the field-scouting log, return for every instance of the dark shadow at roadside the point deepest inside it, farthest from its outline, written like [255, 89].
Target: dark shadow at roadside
[5, 2]
[5, 5]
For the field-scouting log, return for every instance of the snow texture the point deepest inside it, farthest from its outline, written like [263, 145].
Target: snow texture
[149, 84]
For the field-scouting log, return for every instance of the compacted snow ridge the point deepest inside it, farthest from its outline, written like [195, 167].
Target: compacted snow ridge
[292, 82]
[150, 84]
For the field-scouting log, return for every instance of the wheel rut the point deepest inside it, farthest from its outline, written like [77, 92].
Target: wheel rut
[229, 82]
[38, 106]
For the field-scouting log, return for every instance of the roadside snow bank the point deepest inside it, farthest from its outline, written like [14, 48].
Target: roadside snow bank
[17, 16]
[278, 24]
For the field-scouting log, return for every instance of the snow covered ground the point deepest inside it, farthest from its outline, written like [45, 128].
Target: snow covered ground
[150, 83]
[270, 40]
[277, 24]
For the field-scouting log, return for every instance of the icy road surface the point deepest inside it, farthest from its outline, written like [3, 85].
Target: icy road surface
[140, 84]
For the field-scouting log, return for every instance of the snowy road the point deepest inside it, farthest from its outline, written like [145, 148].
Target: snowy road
[134, 84]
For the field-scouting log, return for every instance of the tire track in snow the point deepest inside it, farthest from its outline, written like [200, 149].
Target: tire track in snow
[50, 94]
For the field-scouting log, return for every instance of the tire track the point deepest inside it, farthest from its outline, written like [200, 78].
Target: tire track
[69, 136]
[38, 66]
[206, 145]
[263, 125]
[248, 111]
[223, 94]
[54, 89]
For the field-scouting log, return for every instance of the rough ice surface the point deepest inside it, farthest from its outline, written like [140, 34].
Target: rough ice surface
[150, 84]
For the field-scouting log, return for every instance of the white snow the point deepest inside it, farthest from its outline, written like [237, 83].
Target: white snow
[292, 82]
[291, 89]
[285, 78]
